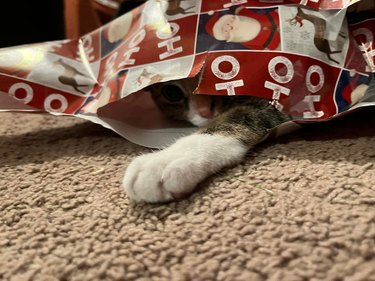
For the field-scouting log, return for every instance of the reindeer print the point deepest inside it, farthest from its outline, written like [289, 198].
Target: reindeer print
[68, 77]
[148, 77]
[320, 26]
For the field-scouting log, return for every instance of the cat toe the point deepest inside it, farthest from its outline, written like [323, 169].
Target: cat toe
[159, 177]
[143, 181]
[130, 178]
[178, 178]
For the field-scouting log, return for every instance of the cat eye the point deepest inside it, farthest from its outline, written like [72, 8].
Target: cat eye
[172, 93]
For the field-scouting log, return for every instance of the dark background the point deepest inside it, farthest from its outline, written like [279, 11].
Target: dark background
[28, 21]
[34, 21]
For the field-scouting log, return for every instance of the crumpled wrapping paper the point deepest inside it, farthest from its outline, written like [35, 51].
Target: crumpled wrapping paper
[312, 59]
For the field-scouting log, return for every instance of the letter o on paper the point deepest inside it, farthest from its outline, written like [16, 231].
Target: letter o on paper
[317, 70]
[55, 97]
[289, 69]
[225, 75]
[24, 87]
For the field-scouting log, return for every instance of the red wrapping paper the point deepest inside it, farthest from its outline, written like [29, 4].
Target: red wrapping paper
[312, 59]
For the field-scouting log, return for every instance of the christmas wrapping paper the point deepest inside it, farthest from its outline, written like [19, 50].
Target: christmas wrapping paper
[313, 59]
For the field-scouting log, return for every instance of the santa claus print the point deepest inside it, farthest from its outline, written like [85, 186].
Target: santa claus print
[241, 28]
[351, 89]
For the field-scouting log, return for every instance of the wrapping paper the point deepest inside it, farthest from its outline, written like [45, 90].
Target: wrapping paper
[313, 59]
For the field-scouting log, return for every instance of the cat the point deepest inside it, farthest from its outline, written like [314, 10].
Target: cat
[228, 127]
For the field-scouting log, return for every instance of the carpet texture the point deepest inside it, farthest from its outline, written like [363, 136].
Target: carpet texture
[301, 207]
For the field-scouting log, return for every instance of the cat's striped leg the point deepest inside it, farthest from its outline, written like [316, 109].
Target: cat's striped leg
[175, 171]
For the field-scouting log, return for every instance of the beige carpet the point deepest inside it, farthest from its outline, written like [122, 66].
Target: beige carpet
[300, 208]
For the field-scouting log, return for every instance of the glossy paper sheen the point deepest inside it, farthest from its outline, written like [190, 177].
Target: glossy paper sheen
[312, 59]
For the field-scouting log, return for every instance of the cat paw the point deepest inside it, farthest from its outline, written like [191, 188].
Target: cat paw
[159, 177]
[174, 172]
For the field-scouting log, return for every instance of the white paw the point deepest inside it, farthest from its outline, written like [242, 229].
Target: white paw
[158, 177]
[174, 172]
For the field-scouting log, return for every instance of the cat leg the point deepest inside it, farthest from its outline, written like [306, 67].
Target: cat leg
[175, 171]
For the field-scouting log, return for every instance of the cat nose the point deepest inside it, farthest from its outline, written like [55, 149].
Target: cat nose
[205, 112]
[202, 104]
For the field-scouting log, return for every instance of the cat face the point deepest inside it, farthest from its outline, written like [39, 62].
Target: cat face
[177, 101]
